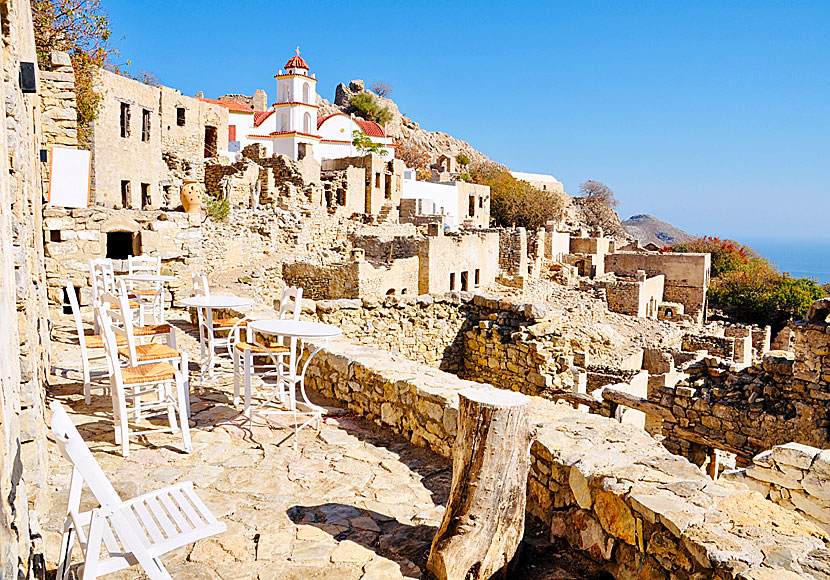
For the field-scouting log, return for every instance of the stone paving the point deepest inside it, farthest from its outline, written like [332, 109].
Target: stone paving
[356, 502]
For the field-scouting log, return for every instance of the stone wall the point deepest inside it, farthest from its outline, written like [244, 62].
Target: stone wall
[75, 236]
[635, 297]
[23, 319]
[745, 409]
[609, 489]
[461, 262]
[793, 475]
[513, 251]
[355, 279]
[687, 275]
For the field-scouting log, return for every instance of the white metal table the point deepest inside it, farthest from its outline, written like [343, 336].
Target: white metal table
[160, 280]
[208, 342]
[299, 332]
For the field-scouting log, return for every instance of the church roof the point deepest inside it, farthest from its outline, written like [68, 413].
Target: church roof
[371, 128]
[260, 116]
[235, 106]
[296, 62]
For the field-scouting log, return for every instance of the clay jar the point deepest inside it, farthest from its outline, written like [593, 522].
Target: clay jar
[191, 196]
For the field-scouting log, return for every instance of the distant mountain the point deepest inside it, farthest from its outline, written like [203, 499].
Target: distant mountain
[648, 229]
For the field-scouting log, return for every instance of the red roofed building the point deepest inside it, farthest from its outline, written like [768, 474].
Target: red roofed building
[293, 121]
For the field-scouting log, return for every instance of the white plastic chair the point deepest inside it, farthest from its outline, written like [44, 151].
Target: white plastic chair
[210, 339]
[244, 354]
[102, 281]
[151, 298]
[159, 378]
[136, 531]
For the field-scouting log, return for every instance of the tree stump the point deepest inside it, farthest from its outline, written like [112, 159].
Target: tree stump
[485, 516]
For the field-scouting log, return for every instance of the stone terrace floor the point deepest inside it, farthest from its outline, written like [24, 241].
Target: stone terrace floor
[356, 501]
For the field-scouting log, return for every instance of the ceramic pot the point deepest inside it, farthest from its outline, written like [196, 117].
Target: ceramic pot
[191, 196]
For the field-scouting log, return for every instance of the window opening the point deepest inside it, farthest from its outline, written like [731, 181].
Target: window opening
[145, 125]
[125, 194]
[210, 141]
[145, 196]
[120, 245]
[180, 116]
[125, 120]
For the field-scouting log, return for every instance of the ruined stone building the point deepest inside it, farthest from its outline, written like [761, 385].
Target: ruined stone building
[456, 203]
[147, 140]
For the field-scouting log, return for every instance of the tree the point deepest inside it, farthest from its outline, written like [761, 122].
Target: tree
[749, 287]
[81, 28]
[365, 144]
[413, 155]
[365, 105]
[462, 159]
[145, 76]
[515, 203]
[596, 190]
[381, 88]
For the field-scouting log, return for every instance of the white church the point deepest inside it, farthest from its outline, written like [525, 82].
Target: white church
[293, 120]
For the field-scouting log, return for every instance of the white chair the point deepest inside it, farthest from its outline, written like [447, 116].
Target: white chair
[141, 354]
[102, 280]
[244, 354]
[136, 531]
[157, 378]
[88, 342]
[152, 297]
[212, 332]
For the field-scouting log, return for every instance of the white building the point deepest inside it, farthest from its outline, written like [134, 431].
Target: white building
[460, 203]
[540, 181]
[293, 120]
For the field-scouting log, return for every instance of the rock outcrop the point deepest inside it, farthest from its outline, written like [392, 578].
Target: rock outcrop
[647, 229]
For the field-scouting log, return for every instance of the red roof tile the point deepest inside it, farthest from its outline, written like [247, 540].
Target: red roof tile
[371, 128]
[260, 116]
[230, 105]
[296, 62]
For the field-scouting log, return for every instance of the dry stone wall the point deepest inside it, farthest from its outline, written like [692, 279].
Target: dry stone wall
[611, 490]
[793, 475]
[75, 236]
[24, 349]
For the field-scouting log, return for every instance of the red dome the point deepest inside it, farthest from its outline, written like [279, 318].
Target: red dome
[296, 62]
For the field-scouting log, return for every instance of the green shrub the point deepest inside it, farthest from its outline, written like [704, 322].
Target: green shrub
[367, 107]
[217, 208]
[462, 159]
[514, 202]
[749, 288]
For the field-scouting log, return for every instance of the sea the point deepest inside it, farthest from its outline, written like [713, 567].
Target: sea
[800, 257]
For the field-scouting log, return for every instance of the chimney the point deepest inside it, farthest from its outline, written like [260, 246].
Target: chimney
[260, 100]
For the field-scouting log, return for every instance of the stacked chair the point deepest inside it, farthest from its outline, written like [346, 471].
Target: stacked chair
[152, 298]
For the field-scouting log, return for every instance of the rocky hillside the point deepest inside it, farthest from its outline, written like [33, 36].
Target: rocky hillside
[403, 129]
[648, 229]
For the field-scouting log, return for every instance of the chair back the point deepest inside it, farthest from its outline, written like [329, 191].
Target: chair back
[200, 285]
[101, 278]
[115, 319]
[73, 448]
[291, 303]
[76, 314]
[144, 265]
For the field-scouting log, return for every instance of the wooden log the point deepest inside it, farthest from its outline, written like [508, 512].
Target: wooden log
[485, 516]
[578, 399]
[638, 403]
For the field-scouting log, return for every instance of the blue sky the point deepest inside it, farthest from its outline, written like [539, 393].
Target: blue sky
[713, 116]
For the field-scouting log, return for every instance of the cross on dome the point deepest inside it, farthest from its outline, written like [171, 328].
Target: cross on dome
[296, 61]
